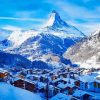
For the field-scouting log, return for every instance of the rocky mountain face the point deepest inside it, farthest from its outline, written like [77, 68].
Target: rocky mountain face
[87, 52]
[47, 44]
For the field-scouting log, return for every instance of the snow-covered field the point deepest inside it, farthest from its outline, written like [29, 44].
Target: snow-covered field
[9, 92]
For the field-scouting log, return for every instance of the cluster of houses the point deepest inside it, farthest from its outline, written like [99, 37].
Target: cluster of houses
[58, 84]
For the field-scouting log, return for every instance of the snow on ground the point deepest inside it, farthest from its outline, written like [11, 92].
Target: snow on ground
[9, 92]
[79, 93]
[93, 77]
[88, 77]
[90, 63]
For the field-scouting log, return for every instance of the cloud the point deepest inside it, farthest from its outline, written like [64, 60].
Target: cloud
[22, 19]
[25, 14]
[11, 28]
[77, 11]
[87, 28]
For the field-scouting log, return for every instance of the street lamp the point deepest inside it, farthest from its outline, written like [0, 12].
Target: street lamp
[47, 88]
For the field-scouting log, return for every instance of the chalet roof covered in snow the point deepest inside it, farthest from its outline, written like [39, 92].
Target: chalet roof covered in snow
[61, 96]
[3, 70]
[61, 85]
[79, 93]
[89, 77]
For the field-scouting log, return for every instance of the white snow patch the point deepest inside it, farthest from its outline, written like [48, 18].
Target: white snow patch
[18, 37]
[9, 92]
[51, 20]
[61, 96]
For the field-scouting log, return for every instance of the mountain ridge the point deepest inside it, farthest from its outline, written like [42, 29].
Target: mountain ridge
[87, 51]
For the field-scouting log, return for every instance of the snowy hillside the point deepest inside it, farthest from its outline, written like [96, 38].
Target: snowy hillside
[13, 60]
[17, 38]
[8, 92]
[87, 52]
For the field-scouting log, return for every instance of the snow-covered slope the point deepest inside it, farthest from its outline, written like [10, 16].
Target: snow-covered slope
[47, 44]
[9, 92]
[87, 52]
[48, 48]
[17, 38]
[8, 60]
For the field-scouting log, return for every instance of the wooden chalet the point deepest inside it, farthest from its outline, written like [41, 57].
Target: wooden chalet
[4, 75]
[25, 84]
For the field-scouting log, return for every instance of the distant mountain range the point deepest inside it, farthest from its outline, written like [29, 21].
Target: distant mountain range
[86, 53]
[47, 44]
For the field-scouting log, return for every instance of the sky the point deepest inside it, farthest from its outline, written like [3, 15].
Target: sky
[32, 14]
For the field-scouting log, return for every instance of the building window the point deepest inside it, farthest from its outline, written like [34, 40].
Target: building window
[95, 84]
[98, 85]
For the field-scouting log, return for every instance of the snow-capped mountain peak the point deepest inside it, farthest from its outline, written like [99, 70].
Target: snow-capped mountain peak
[60, 28]
[55, 26]
[55, 20]
[47, 43]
